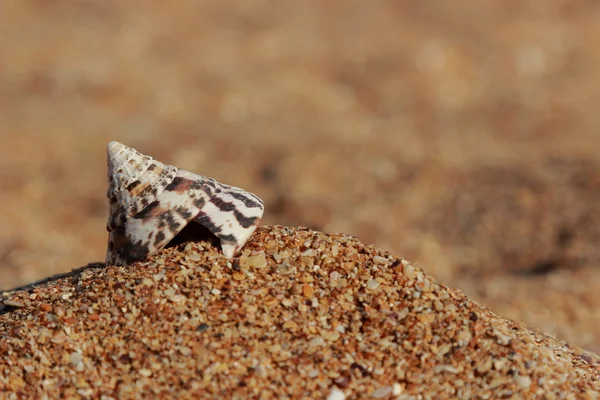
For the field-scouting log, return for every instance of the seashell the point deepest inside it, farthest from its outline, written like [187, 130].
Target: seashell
[151, 202]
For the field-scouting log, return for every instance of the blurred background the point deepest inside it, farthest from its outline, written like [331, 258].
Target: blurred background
[463, 136]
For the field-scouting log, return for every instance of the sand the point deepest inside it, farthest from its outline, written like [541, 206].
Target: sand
[462, 136]
[301, 314]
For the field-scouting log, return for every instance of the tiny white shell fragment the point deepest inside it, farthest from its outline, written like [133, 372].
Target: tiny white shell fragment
[13, 303]
[380, 260]
[383, 392]
[373, 284]
[336, 394]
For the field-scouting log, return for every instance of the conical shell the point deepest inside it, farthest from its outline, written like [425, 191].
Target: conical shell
[150, 203]
[134, 180]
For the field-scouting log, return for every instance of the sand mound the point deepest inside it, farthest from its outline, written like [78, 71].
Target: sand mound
[301, 314]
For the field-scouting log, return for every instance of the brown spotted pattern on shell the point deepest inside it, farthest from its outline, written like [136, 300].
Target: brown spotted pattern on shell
[151, 202]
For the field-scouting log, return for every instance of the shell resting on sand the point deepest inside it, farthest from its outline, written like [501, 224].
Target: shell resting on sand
[150, 203]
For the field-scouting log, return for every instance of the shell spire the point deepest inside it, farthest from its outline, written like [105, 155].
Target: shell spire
[151, 202]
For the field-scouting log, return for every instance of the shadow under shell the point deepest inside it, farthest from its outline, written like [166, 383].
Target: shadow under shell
[194, 232]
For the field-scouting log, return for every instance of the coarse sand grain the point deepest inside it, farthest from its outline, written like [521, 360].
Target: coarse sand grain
[301, 314]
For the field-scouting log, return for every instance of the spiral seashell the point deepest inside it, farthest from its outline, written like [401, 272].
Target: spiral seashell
[151, 202]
